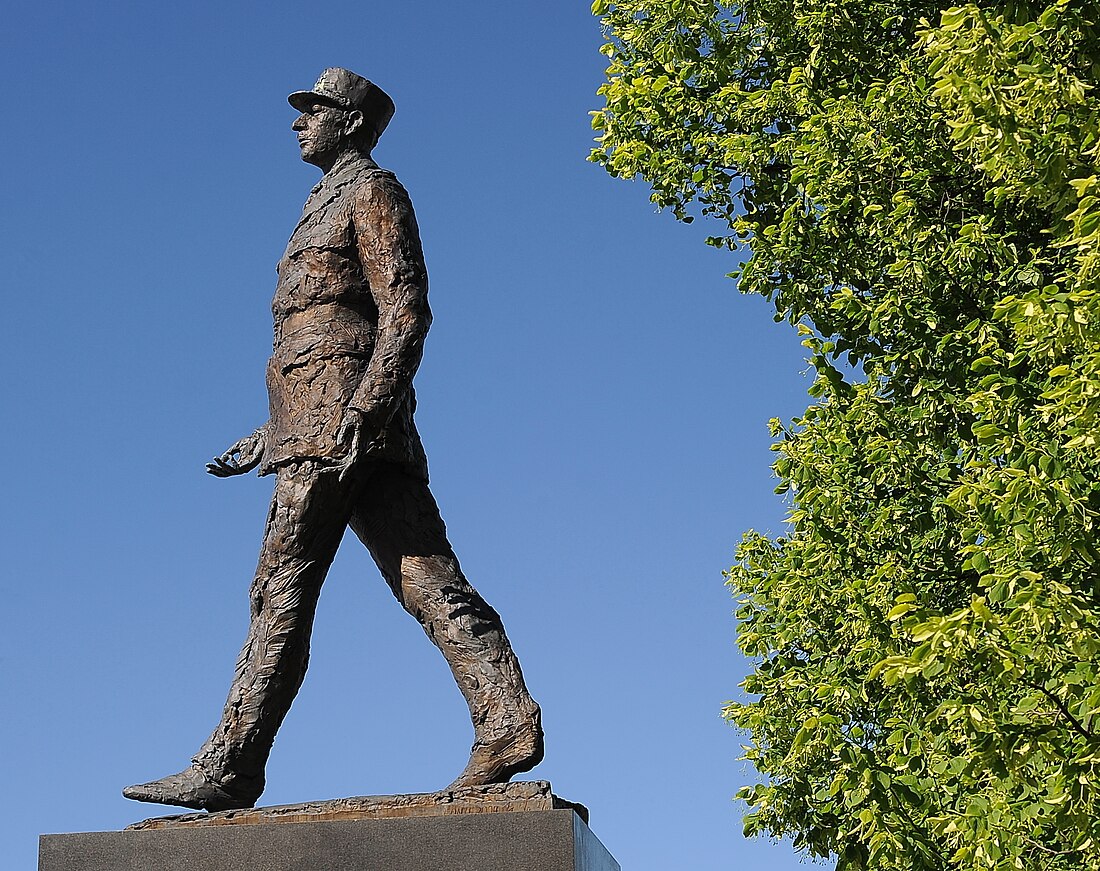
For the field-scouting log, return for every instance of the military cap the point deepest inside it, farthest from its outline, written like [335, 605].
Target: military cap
[347, 90]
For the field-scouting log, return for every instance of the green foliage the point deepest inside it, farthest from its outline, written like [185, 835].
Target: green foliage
[918, 188]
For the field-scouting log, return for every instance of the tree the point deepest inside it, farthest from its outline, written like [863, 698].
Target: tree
[918, 190]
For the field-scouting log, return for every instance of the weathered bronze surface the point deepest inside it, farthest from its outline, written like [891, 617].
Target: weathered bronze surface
[351, 313]
[534, 795]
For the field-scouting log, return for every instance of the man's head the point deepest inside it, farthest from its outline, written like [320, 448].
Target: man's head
[343, 111]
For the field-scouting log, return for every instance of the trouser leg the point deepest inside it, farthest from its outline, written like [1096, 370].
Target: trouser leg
[396, 517]
[308, 516]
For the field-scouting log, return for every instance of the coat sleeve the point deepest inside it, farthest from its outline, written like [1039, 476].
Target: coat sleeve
[393, 265]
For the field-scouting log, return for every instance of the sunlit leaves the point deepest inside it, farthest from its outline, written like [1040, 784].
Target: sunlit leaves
[916, 186]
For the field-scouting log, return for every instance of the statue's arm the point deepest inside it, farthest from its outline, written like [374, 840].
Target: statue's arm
[243, 456]
[393, 264]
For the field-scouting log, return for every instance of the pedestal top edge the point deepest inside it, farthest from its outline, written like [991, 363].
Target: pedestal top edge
[534, 795]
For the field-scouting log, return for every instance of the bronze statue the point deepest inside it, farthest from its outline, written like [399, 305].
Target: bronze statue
[351, 313]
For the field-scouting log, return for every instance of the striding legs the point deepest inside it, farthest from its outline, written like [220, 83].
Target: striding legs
[395, 516]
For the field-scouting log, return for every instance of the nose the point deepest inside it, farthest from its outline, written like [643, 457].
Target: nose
[299, 123]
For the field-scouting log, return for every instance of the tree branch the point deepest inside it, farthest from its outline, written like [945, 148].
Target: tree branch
[1060, 705]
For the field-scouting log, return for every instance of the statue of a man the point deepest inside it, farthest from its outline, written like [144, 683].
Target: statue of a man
[351, 313]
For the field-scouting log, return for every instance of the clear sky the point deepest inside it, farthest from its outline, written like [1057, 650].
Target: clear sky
[594, 400]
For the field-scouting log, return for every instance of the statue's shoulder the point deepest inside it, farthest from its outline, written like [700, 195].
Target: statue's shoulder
[378, 184]
[378, 176]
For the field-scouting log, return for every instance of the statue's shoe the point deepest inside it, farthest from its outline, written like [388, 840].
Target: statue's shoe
[190, 788]
[499, 759]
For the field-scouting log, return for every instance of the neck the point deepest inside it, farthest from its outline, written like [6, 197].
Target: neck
[345, 158]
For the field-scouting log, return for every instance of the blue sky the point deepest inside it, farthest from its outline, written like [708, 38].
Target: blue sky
[594, 400]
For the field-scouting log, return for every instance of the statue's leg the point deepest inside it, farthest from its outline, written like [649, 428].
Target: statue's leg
[396, 517]
[308, 516]
[309, 513]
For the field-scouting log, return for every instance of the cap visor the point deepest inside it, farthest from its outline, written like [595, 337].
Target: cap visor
[303, 100]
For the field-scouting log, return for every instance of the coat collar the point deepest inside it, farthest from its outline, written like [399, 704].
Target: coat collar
[343, 172]
[328, 188]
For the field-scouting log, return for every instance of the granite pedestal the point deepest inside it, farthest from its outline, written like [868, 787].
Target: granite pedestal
[433, 832]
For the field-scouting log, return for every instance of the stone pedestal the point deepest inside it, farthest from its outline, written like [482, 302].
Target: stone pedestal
[515, 827]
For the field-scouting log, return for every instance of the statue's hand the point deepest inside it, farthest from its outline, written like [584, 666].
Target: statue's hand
[355, 436]
[242, 457]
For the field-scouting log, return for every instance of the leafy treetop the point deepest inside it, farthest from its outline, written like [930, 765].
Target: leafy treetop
[918, 188]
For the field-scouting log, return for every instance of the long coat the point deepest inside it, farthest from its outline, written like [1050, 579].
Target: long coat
[351, 312]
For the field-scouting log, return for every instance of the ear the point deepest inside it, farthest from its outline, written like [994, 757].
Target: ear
[355, 122]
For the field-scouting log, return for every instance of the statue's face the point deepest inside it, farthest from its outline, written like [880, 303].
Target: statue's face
[322, 133]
